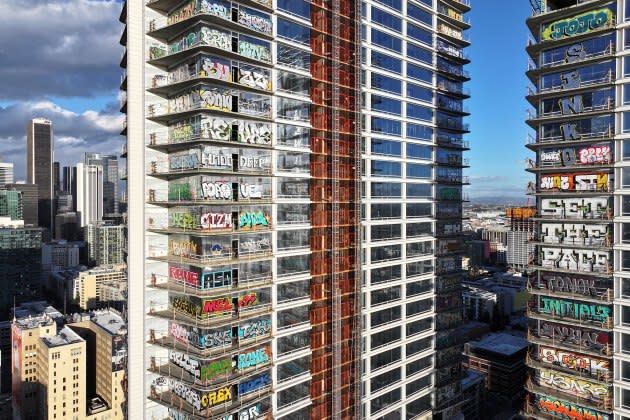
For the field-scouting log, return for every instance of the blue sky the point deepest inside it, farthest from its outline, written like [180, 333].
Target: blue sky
[71, 76]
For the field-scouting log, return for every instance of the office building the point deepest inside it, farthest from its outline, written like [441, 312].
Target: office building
[109, 163]
[246, 143]
[39, 168]
[106, 243]
[577, 322]
[61, 255]
[73, 371]
[6, 173]
[90, 286]
[69, 185]
[56, 177]
[89, 193]
[67, 226]
[11, 204]
[30, 210]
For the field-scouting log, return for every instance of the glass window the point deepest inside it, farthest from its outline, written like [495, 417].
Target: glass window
[293, 342]
[385, 232]
[295, 393]
[626, 65]
[386, 189]
[294, 83]
[385, 337]
[419, 287]
[292, 239]
[420, 132]
[419, 268]
[293, 291]
[385, 147]
[293, 368]
[418, 346]
[385, 211]
[419, 209]
[386, 358]
[293, 136]
[419, 307]
[625, 177]
[300, 8]
[383, 274]
[625, 260]
[385, 104]
[293, 316]
[385, 316]
[419, 229]
[419, 112]
[394, 4]
[294, 57]
[294, 162]
[419, 73]
[625, 146]
[418, 249]
[385, 126]
[385, 253]
[419, 34]
[419, 190]
[420, 54]
[294, 32]
[626, 38]
[292, 109]
[627, 9]
[420, 93]
[383, 401]
[385, 168]
[387, 84]
[386, 40]
[419, 151]
[385, 379]
[419, 365]
[415, 170]
[386, 62]
[418, 385]
[385, 19]
[419, 13]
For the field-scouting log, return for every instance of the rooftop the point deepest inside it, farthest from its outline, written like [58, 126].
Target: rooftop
[501, 343]
[110, 320]
[36, 314]
[64, 337]
[472, 377]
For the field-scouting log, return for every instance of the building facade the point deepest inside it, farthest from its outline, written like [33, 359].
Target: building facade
[106, 243]
[30, 210]
[244, 126]
[11, 204]
[109, 163]
[89, 193]
[6, 173]
[575, 69]
[39, 168]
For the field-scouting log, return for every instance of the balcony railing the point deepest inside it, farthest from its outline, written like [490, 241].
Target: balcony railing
[608, 105]
[608, 78]
[449, 141]
[609, 51]
[453, 179]
[608, 132]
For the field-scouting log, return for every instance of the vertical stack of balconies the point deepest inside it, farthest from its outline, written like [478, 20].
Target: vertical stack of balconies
[449, 164]
[570, 313]
[209, 239]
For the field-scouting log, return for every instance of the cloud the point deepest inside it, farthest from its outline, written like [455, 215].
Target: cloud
[74, 133]
[59, 48]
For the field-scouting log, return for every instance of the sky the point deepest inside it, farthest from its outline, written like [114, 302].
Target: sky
[60, 61]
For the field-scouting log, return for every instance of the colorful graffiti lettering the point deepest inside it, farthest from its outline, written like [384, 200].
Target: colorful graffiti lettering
[183, 221]
[254, 329]
[217, 397]
[179, 333]
[250, 191]
[217, 305]
[216, 129]
[253, 133]
[211, 159]
[216, 190]
[253, 358]
[586, 287]
[176, 415]
[567, 410]
[182, 391]
[575, 182]
[216, 221]
[573, 361]
[252, 245]
[253, 162]
[182, 13]
[573, 385]
[214, 69]
[254, 384]
[574, 310]
[183, 162]
[254, 79]
[185, 362]
[250, 413]
[257, 52]
[185, 306]
[255, 22]
[185, 276]
[214, 38]
[249, 299]
[582, 337]
[595, 154]
[578, 24]
[214, 339]
[181, 132]
[251, 220]
[216, 369]
[179, 192]
[183, 248]
[213, 99]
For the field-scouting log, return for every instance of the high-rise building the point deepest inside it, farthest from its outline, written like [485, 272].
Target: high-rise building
[11, 204]
[39, 168]
[89, 193]
[6, 173]
[106, 243]
[30, 210]
[578, 314]
[91, 282]
[109, 163]
[246, 215]
[70, 184]
[56, 177]
[67, 226]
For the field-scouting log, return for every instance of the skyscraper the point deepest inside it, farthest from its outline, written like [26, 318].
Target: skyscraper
[578, 313]
[109, 163]
[69, 184]
[6, 173]
[89, 193]
[248, 148]
[56, 177]
[39, 167]
[30, 209]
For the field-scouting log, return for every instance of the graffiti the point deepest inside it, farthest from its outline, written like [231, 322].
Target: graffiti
[216, 220]
[573, 361]
[254, 384]
[184, 276]
[183, 221]
[574, 53]
[216, 8]
[586, 287]
[217, 279]
[581, 337]
[182, 391]
[217, 397]
[182, 13]
[185, 306]
[254, 133]
[186, 249]
[566, 410]
[251, 220]
[214, 99]
[179, 333]
[216, 129]
[253, 162]
[216, 190]
[255, 22]
[575, 259]
[565, 308]
[254, 79]
[596, 154]
[216, 369]
[185, 362]
[575, 182]
[578, 24]
[450, 194]
[214, 69]
[550, 157]
[573, 233]
[252, 413]
[253, 358]
[249, 299]
[572, 385]
[574, 207]
[257, 52]
[176, 415]
[179, 192]
[181, 132]
[254, 329]
[220, 305]
[252, 245]
[200, 338]
[216, 250]
[156, 51]
[250, 191]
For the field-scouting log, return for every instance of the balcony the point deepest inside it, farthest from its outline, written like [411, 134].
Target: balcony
[165, 6]
[454, 161]
[454, 17]
[454, 106]
[123, 58]
[454, 53]
[453, 71]
[123, 150]
[604, 324]
[463, 5]
[452, 124]
[599, 295]
[607, 133]
[452, 142]
[122, 101]
[533, 118]
[123, 80]
[453, 35]
[533, 94]
[453, 88]
[534, 69]
[183, 106]
[605, 404]
[123, 132]
[446, 179]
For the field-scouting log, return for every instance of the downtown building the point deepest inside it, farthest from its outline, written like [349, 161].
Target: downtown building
[279, 265]
[577, 312]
